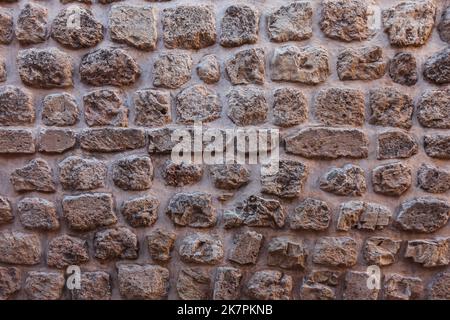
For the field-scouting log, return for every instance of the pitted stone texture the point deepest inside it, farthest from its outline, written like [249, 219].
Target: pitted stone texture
[56, 140]
[291, 22]
[192, 209]
[355, 287]
[198, 103]
[37, 175]
[424, 215]
[143, 282]
[270, 285]
[89, 211]
[310, 214]
[88, 33]
[109, 66]
[160, 243]
[133, 25]
[239, 26]
[437, 146]
[141, 212]
[328, 143]
[433, 109]
[76, 173]
[3, 72]
[346, 181]
[6, 26]
[390, 108]
[403, 69]
[247, 105]
[392, 179]
[38, 214]
[65, 250]
[440, 287]
[409, 23]
[16, 141]
[335, 251]
[152, 108]
[246, 67]
[10, 282]
[429, 253]
[182, 28]
[116, 243]
[6, 215]
[345, 20]
[45, 68]
[396, 144]
[246, 247]
[444, 25]
[20, 248]
[381, 251]
[287, 182]
[364, 63]
[60, 109]
[362, 215]
[181, 174]
[112, 139]
[290, 107]
[201, 248]
[227, 283]
[31, 27]
[436, 68]
[286, 253]
[320, 285]
[172, 70]
[307, 65]
[44, 285]
[400, 287]
[229, 176]
[433, 179]
[16, 106]
[133, 173]
[105, 107]
[193, 284]
[339, 106]
[208, 69]
[159, 140]
[94, 285]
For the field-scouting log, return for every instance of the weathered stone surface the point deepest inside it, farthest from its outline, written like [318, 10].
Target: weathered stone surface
[436, 68]
[143, 282]
[356, 288]
[181, 27]
[31, 24]
[340, 106]
[346, 181]
[45, 68]
[116, 243]
[424, 214]
[37, 214]
[403, 69]
[392, 179]
[198, 103]
[227, 283]
[16, 141]
[246, 247]
[10, 279]
[310, 214]
[229, 176]
[208, 69]
[56, 140]
[364, 63]
[201, 248]
[247, 105]
[270, 285]
[133, 25]
[112, 139]
[133, 173]
[193, 284]
[76, 173]
[6, 26]
[109, 66]
[37, 175]
[181, 174]
[444, 25]
[320, 285]
[328, 143]
[60, 109]
[89, 211]
[290, 107]
[437, 146]
[335, 251]
[433, 109]
[256, 212]
[287, 182]
[65, 250]
[246, 67]
[6, 215]
[433, 179]
[440, 287]
[159, 140]
[429, 253]
[141, 212]
[20, 248]
[44, 285]
[93, 286]
[346, 20]
[105, 107]
[152, 108]
[172, 70]
[362, 215]
[160, 243]
[390, 108]
[399, 287]
[409, 23]
[76, 27]
[239, 26]
[381, 251]
[193, 209]
[396, 144]
[16, 106]
[291, 22]
[308, 65]
[3, 72]
[286, 253]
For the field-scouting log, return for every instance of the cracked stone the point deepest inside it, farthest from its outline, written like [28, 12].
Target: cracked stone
[399, 287]
[429, 253]
[364, 63]
[193, 284]
[246, 247]
[37, 175]
[287, 254]
[291, 22]
[60, 109]
[152, 108]
[392, 179]
[362, 215]
[381, 251]
[192, 209]
[346, 181]
[246, 67]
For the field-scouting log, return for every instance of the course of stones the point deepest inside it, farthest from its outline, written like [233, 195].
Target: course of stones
[90, 92]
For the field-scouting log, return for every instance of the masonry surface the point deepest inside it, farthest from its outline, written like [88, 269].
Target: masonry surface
[90, 92]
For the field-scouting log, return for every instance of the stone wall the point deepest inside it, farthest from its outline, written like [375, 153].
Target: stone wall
[90, 93]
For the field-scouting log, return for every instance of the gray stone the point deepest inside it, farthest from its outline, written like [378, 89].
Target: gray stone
[346, 181]
[38, 214]
[172, 70]
[112, 139]
[17, 141]
[246, 247]
[392, 179]
[37, 175]
[105, 107]
[291, 22]
[437, 146]
[198, 103]
[403, 69]
[60, 109]
[444, 25]
[201, 248]
[246, 67]
[433, 179]
[239, 26]
[364, 63]
[193, 209]
[76, 173]
[436, 68]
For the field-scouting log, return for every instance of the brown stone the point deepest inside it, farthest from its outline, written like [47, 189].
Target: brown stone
[362, 215]
[429, 253]
[141, 212]
[381, 251]
[240, 25]
[201, 248]
[152, 108]
[287, 182]
[229, 176]
[440, 287]
[227, 283]
[400, 287]
[105, 107]
[246, 247]
[112, 139]
[356, 288]
[193, 284]
[346, 181]
[437, 146]
[433, 110]
[94, 286]
[77, 173]
[10, 282]
[364, 63]
[37, 175]
[246, 67]
[60, 109]
[403, 69]
[433, 179]
[16, 141]
[390, 108]
[310, 214]
[31, 27]
[6, 215]
[444, 25]
[160, 243]
[44, 285]
[320, 285]
[270, 285]
[159, 140]
[436, 67]
[247, 105]
[16, 107]
[208, 69]
[133, 173]
[392, 179]
[20, 248]
[65, 250]
[56, 140]
[286, 253]
[290, 22]
[396, 144]
[197, 103]
[172, 70]
[115, 243]
[38, 214]
[335, 251]
[181, 174]
[143, 282]
[6, 26]
[290, 107]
